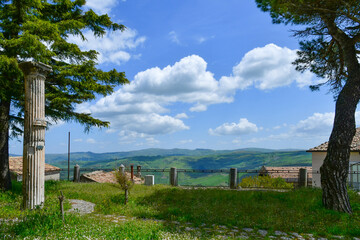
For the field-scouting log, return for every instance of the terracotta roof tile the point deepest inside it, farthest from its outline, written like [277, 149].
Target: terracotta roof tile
[354, 147]
[16, 165]
[107, 177]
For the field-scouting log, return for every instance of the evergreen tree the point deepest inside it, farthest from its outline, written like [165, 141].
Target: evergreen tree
[39, 30]
[331, 41]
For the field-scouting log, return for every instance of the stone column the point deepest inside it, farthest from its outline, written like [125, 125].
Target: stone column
[76, 173]
[149, 180]
[138, 174]
[173, 177]
[34, 134]
[303, 177]
[233, 178]
[122, 169]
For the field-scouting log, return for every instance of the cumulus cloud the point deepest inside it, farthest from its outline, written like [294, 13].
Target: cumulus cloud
[185, 141]
[181, 115]
[266, 68]
[101, 6]
[241, 128]
[143, 106]
[113, 47]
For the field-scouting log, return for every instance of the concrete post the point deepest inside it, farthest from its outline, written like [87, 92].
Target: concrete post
[76, 173]
[149, 180]
[303, 177]
[173, 177]
[34, 134]
[233, 178]
[138, 174]
[122, 169]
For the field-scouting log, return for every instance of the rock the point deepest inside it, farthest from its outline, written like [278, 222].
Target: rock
[248, 229]
[279, 233]
[262, 232]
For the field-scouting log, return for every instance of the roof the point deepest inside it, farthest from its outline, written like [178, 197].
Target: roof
[354, 147]
[288, 173]
[16, 166]
[106, 177]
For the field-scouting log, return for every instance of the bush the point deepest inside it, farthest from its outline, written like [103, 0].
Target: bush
[264, 182]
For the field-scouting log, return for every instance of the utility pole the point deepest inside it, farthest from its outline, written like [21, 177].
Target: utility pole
[69, 158]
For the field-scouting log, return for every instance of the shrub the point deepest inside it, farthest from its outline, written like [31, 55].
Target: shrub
[125, 183]
[264, 182]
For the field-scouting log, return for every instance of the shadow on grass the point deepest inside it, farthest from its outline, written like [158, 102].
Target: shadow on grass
[295, 211]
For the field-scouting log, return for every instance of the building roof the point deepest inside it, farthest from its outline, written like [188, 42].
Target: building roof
[106, 177]
[287, 173]
[16, 166]
[354, 147]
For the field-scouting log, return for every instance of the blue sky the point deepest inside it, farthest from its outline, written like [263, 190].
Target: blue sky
[204, 74]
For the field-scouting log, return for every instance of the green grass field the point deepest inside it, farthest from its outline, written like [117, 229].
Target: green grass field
[293, 211]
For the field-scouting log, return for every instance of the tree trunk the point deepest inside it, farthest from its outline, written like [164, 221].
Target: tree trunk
[126, 196]
[5, 179]
[335, 169]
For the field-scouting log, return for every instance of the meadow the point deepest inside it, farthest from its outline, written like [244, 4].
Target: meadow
[292, 211]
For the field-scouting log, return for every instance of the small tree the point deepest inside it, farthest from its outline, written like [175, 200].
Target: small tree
[125, 183]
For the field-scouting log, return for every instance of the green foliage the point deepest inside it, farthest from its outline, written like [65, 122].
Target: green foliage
[40, 30]
[265, 182]
[123, 180]
[329, 24]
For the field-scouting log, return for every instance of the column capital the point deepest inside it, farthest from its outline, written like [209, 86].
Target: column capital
[31, 67]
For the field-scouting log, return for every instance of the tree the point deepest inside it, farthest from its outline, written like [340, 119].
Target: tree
[39, 30]
[125, 183]
[329, 49]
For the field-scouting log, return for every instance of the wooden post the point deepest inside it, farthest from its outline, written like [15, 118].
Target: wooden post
[76, 173]
[34, 134]
[173, 177]
[132, 172]
[233, 178]
[61, 200]
[303, 177]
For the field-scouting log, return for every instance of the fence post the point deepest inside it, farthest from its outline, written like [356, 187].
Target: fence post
[173, 177]
[76, 173]
[138, 168]
[303, 177]
[132, 172]
[122, 169]
[233, 178]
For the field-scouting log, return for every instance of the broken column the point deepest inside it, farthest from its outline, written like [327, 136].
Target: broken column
[34, 134]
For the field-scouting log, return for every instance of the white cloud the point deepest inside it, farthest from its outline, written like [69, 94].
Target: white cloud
[114, 47]
[91, 140]
[78, 140]
[266, 68]
[101, 6]
[143, 106]
[181, 115]
[241, 128]
[174, 37]
[185, 141]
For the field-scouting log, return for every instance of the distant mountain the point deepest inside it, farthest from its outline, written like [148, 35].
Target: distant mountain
[247, 158]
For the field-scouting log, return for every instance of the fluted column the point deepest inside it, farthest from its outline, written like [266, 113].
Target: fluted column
[34, 134]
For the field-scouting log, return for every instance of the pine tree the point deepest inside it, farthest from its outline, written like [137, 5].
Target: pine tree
[39, 30]
[331, 41]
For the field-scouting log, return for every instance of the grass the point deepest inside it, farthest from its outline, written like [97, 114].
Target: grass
[293, 211]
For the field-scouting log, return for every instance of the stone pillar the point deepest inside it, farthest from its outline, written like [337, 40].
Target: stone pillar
[149, 180]
[122, 169]
[303, 177]
[34, 134]
[76, 173]
[233, 178]
[138, 174]
[173, 177]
